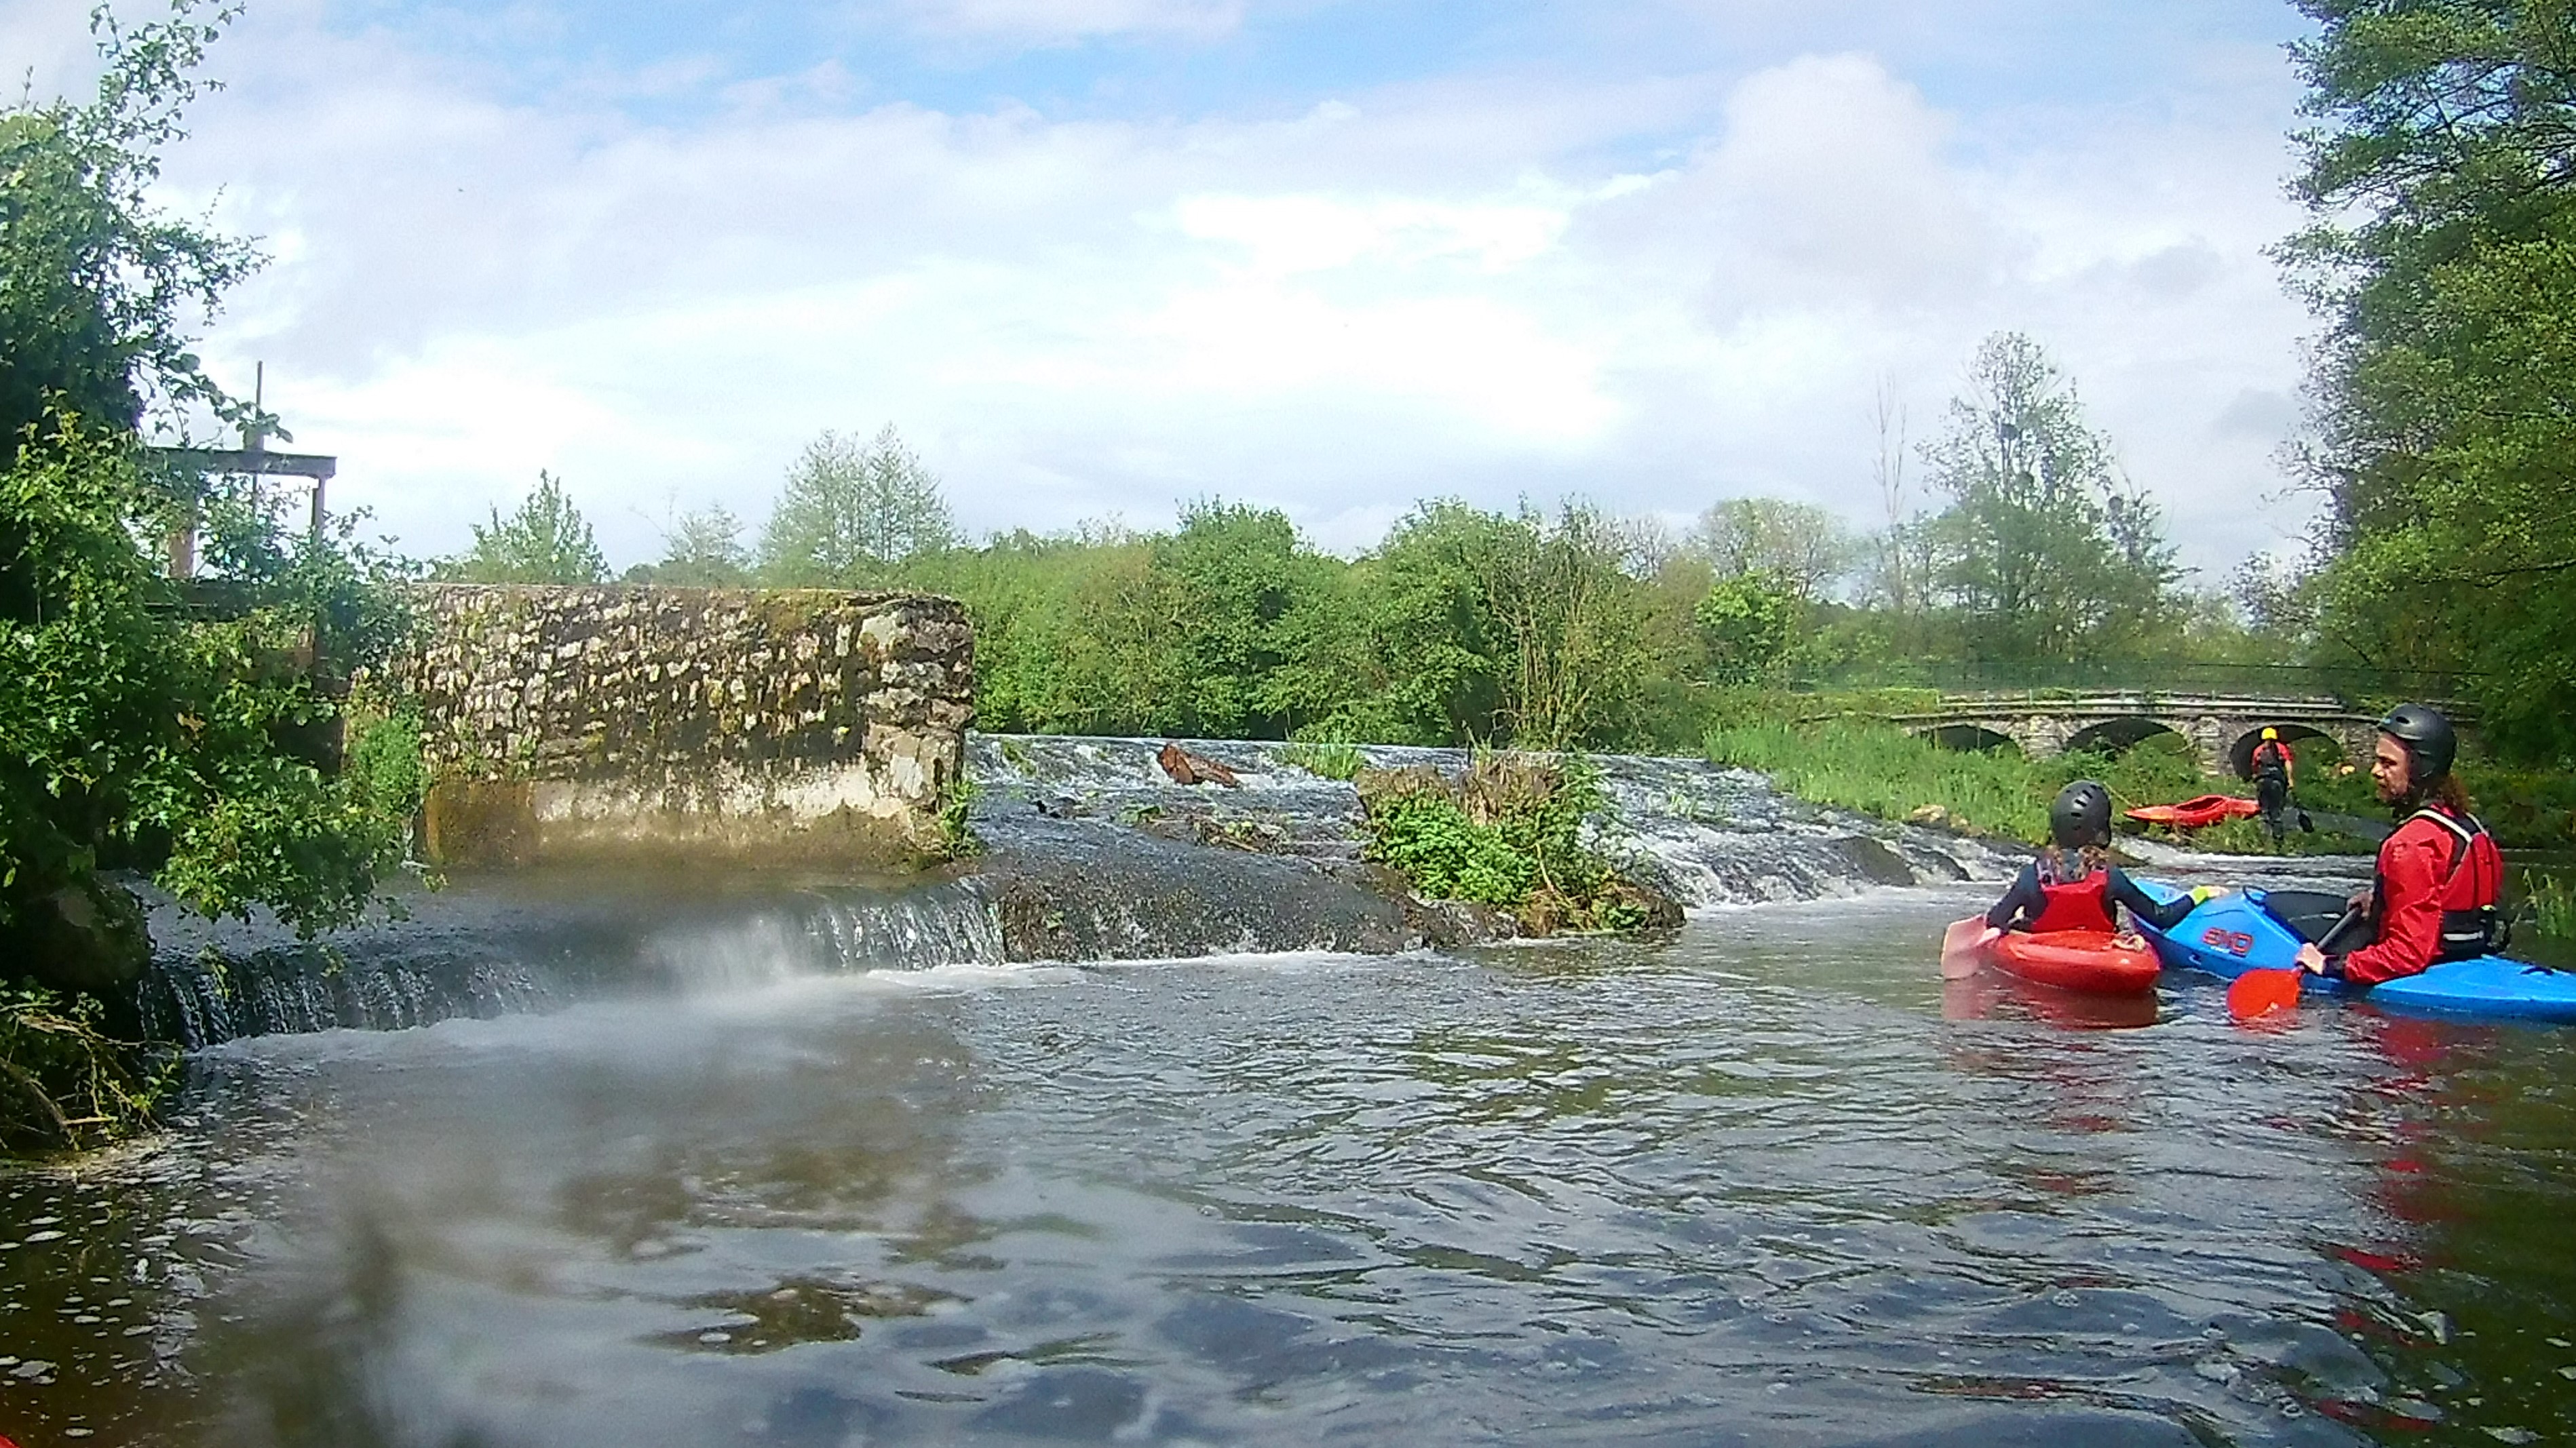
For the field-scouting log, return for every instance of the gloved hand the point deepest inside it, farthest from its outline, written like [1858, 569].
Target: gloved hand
[2203, 894]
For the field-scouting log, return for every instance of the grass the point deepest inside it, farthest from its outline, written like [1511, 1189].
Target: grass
[2553, 901]
[1878, 769]
[1325, 759]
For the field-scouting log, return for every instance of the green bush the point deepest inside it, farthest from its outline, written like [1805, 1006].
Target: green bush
[1511, 833]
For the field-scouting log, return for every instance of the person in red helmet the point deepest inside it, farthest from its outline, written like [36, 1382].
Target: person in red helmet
[2439, 877]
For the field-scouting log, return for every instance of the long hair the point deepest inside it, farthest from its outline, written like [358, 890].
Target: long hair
[2056, 869]
[2446, 791]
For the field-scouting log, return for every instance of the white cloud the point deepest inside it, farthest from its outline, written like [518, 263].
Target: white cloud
[1456, 285]
[1066, 20]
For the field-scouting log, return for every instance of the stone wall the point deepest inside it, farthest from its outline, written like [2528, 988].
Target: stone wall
[751, 726]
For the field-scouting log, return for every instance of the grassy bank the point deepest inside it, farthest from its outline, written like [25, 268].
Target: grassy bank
[1878, 769]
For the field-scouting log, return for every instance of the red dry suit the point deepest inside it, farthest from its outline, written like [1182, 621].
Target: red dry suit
[2439, 878]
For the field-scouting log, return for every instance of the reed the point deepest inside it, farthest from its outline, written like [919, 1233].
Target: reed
[2553, 902]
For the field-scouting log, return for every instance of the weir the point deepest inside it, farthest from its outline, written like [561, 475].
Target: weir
[1093, 854]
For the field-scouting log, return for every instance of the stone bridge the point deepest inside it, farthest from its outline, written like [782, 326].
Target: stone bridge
[2221, 728]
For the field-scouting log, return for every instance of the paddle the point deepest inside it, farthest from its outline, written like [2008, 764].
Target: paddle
[2258, 993]
[1959, 948]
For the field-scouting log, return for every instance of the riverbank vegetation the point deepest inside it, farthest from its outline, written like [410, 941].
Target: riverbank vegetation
[186, 728]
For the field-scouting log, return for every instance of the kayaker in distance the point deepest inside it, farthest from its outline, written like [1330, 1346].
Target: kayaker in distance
[2275, 775]
[2073, 885]
[2433, 896]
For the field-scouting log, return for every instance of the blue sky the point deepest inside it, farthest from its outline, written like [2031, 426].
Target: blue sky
[1095, 257]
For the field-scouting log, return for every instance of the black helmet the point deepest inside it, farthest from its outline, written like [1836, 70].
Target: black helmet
[2081, 816]
[2430, 743]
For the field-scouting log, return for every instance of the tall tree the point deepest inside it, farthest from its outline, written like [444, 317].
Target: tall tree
[544, 540]
[2442, 178]
[2047, 553]
[135, 730]
[701, 549]
[1799, 545]
[852, 514]
[100, 284]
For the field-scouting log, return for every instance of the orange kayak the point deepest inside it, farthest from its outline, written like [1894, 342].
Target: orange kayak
[2191, 814]
[2086, 960]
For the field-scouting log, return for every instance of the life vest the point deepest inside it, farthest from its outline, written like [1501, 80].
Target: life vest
[2272, 757]
[2080, 905]
[2472, 923]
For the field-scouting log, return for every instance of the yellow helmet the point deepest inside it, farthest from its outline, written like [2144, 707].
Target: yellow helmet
[2271, 733]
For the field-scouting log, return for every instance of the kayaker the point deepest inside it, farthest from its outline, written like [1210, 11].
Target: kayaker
[2275, 775]
[2434, 894]
[2073, 885]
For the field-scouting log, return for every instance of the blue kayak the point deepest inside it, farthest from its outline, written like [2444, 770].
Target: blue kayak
[2263, 929]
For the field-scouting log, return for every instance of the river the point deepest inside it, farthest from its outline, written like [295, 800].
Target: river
[1765, 1181]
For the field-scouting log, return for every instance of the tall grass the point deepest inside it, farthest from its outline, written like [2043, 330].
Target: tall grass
[1878, 769]
[2553, 900]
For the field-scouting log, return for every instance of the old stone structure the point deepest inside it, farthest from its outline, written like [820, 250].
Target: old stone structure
[2222, 729]
[748, 726]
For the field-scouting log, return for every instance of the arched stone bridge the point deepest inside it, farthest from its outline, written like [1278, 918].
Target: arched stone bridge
[2221, 728]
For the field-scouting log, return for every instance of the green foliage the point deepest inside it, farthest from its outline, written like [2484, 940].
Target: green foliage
[1447, 855]
[93, 278]
[957, 837]
[1748, 623]
[2443, 257]
[134, 732]
[703, 549]
[64, 1083]
[1512, 834]
[1325, 759]
[546, 540]
[1802, 548]
[382, 765]
[2553, 901]
[2047, 553]
[852, 514]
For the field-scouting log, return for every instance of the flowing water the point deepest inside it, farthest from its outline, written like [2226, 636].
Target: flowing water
[819, 1168]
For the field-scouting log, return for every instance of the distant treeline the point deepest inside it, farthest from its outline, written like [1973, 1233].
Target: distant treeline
[1575, 627]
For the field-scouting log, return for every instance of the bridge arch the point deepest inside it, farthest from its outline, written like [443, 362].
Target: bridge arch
[2240, 750]
[1968, 738]
[2116, 735]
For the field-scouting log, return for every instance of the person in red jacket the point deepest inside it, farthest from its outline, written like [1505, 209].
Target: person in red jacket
[2275, 775]
[2439, 876]
[2073, 885]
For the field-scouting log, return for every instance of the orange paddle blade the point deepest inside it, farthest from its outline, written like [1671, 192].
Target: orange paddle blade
[2258, 993]
[1959, 948]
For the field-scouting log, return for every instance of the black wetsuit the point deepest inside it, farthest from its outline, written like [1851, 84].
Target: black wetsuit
[2023, 903]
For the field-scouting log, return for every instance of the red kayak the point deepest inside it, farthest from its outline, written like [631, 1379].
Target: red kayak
[2191, 814]
[2086, 960]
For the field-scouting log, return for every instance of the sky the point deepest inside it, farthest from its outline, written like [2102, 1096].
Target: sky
[1094, 259]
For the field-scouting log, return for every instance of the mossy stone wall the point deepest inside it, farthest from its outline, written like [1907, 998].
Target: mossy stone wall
[749, 725]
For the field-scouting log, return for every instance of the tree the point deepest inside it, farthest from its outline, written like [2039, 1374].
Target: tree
[1802, 546]
[186, 734]
[2442, 176]
[852, 515]
[545, 541]
[702, 549]
[1748, 624]
[2044, 549]
[98, 280]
